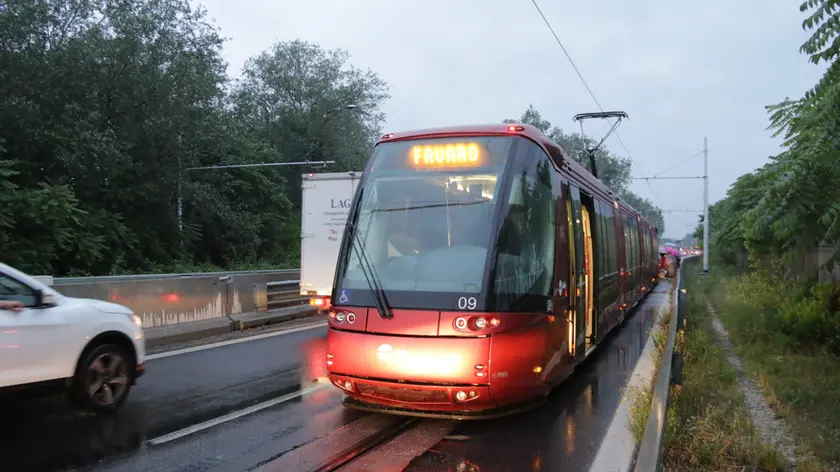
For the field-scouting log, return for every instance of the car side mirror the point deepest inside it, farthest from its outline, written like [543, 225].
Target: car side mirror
[43, 299]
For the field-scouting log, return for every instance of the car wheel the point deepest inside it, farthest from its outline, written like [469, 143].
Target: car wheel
[103, 379]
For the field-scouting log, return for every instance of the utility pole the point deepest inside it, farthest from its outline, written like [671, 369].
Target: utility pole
[705, 205]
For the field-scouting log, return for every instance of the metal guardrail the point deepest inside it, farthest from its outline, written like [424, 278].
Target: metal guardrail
[649, 457]
[136, 277]
[284, 294]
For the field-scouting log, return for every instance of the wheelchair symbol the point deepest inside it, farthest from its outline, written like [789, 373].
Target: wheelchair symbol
[344, 298]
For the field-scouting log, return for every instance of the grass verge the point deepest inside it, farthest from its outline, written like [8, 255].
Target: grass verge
[709, 428]
[801, 383]
[640, 399]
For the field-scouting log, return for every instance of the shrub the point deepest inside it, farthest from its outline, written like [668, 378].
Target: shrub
[805, 314]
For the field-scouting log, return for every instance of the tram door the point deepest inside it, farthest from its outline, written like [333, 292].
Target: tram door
[589, 271]
[579, 271]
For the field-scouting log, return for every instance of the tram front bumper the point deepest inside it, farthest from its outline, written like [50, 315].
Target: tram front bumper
[426, 398]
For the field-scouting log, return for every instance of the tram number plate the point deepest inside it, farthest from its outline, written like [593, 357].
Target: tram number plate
[467, 303]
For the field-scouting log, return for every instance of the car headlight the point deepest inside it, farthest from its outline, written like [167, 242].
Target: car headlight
[137, 320]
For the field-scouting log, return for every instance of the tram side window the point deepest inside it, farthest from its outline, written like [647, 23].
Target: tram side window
[628, 244]
[631, 262]
[525, 260]
[612, 242]
[651, 249]
[636, 252]
[635, 234]
[599, 238]
[609, 231]
[643, 244]
[606, 247]
[636, 248]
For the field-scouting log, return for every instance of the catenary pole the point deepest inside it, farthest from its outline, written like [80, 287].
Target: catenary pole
[705, 204]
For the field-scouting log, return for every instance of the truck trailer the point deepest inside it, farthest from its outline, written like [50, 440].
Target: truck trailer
[325, 205]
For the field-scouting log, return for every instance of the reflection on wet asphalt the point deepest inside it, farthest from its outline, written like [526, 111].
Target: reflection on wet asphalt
[176, 392]
[566, 433]
[183, 390]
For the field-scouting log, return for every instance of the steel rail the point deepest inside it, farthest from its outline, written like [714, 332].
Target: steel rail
[357, 450]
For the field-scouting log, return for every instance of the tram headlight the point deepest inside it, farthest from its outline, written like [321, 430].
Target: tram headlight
[339, 317]
[480, 323]
[351, 318]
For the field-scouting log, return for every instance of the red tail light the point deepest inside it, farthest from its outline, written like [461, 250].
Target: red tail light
[320, 302]
[471, 324]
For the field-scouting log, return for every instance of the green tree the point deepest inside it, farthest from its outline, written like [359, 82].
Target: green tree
[792, 204]
[50, 215]
[103, 106]
[295, 96]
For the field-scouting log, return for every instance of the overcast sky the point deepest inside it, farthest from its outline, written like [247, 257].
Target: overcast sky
[681, 71]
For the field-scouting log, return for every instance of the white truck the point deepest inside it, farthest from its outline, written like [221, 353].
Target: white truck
[325, 205]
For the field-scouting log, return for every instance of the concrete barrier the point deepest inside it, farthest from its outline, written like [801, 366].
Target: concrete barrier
[170, 334]
[177, 307]
[170, 299]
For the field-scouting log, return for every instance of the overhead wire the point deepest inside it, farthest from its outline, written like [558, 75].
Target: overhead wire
[679, 163]
[591, 94]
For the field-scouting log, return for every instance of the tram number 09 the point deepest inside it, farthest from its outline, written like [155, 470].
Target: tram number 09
[467, 303]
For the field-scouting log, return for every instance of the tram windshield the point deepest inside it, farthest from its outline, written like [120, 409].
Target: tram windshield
[426, 214]
[426, 224]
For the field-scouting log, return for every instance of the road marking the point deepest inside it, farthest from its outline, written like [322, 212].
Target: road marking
[234, 415]
[187, 350]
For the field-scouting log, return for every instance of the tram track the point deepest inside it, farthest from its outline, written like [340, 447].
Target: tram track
[348, 455]
[362, 444]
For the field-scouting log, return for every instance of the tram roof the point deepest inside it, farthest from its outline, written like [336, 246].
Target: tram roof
[557, 153]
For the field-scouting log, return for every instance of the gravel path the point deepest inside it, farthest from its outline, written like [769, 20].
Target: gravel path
[770, 428]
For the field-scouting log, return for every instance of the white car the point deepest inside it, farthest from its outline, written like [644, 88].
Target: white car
[91, 349]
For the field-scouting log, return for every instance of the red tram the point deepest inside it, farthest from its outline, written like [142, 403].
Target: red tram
[479, 266]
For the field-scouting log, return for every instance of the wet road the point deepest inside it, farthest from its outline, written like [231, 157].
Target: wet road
[186, 389]
[177, 392]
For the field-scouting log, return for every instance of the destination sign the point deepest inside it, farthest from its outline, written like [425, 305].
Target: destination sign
[445, 155]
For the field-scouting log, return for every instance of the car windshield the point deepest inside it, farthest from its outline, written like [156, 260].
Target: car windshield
[426, 214]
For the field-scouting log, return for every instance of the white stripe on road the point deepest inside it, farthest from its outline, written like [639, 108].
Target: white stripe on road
[187, 350]
[232, 416]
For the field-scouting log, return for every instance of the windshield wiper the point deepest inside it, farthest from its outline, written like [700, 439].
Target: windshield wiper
[431, 205]
[374, 283]
[367, 269]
